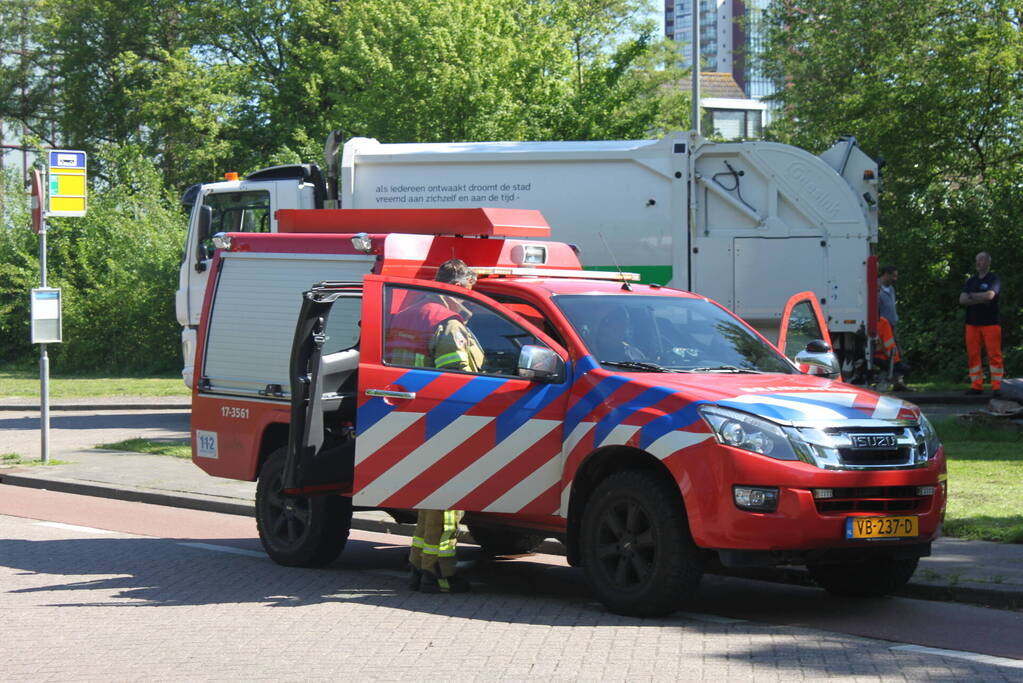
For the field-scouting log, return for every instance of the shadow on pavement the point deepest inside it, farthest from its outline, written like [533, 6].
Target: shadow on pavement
[531, 590]
[106, 420]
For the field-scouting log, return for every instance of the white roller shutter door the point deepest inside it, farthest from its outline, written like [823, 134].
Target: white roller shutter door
[254, 312]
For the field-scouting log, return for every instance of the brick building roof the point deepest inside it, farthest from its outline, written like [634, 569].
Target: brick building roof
[720, 84]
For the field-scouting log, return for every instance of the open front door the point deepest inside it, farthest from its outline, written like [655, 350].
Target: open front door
[804, 337]
[435, 433]
[324, 361]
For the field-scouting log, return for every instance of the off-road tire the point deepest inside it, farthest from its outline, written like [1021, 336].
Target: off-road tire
[873, 577]
[498, 541]
[299, 531]
[636, 549]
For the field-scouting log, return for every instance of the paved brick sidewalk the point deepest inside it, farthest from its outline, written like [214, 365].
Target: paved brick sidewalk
[114, 606]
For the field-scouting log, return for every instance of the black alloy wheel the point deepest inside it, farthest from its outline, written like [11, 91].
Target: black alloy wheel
[636, 547]
[299, 531]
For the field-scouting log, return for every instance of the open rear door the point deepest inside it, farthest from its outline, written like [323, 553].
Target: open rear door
[801, 323]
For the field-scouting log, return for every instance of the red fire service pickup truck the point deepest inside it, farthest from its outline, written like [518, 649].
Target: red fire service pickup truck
[649, 429]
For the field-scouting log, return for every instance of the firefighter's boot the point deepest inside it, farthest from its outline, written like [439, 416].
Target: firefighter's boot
[415, 578]
[431, 583]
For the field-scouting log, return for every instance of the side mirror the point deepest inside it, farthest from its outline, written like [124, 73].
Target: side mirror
[817, 359]
[205, 221]
[818, 346]
[541, 364]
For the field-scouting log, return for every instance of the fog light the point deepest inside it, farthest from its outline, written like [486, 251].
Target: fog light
[761, 499]
[821, 494]
[925, 490]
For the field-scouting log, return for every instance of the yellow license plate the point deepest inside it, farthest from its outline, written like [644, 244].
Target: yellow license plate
[882, 527]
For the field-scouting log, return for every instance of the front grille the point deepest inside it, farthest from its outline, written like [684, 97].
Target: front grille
[888, 456]
[873, 499]
[868, 447]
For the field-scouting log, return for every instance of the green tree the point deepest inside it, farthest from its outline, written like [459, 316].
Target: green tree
[936, 88]
[81, 75]
[432, 70]
[227, 85]
[116, 267]
[19, 267]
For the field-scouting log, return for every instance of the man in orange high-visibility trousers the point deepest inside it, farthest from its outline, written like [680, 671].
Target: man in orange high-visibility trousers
[887, 352]
[431, 332]
[983, 327]
[887, 349]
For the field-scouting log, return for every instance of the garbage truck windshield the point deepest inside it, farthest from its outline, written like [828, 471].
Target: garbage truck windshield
[668, 334]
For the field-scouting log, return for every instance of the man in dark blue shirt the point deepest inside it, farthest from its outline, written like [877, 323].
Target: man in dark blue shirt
[983, 327]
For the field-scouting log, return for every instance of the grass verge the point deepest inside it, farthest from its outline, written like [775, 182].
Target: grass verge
[985, 477]
[939, 385]
[23, 384]
[175, 449]
[16, 460]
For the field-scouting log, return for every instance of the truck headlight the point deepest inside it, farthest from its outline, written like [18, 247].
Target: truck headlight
[748, 432]
[931, 441]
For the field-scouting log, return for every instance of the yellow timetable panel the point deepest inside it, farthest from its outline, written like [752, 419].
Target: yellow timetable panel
[68, 187]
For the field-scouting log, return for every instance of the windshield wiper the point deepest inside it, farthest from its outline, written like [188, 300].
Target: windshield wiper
[725, 368]
[637, 365]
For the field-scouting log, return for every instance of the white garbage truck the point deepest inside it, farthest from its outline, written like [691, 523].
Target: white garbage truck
[747, 224]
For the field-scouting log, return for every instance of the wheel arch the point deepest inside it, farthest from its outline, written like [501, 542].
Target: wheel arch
[275, 436]
[597, 466]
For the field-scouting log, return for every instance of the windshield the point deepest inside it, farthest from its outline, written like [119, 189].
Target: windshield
[667, 334]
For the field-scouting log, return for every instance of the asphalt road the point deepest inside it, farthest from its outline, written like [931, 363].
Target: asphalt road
[209, 605]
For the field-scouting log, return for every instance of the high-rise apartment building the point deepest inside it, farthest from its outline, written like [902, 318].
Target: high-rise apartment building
[730, 34]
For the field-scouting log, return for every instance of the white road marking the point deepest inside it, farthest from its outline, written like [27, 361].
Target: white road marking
[961, 654]
[224, 549]
[75, 527]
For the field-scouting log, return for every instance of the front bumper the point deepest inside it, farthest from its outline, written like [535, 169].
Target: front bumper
[800, 523]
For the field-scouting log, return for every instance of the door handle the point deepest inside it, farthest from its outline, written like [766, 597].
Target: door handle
[387, 393]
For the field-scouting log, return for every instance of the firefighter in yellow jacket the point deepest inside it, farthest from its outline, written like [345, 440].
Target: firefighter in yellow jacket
[431, 332]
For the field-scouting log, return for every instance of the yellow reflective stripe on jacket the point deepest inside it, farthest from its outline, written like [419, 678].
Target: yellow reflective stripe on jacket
[454, 358]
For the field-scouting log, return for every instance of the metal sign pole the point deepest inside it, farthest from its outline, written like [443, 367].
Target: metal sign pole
[44, 362]
[66, 195]
[696, 67]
